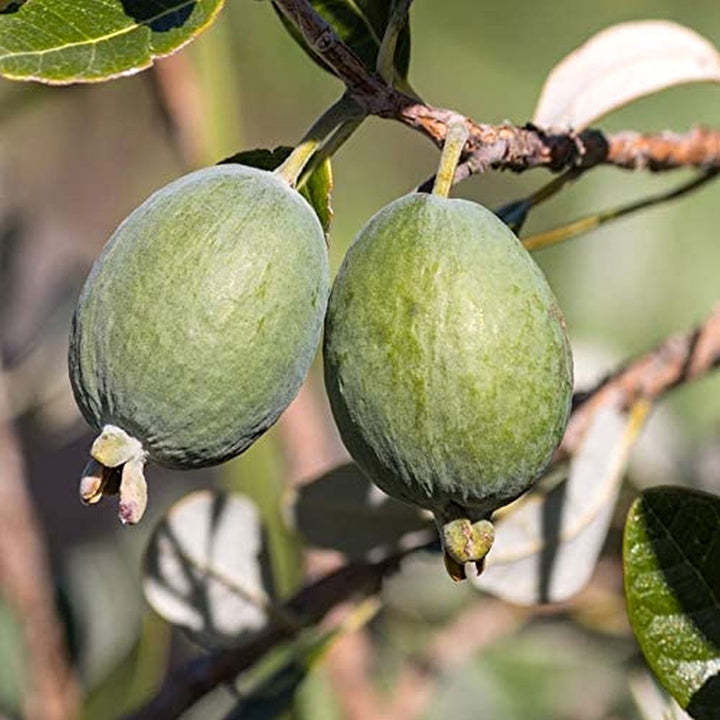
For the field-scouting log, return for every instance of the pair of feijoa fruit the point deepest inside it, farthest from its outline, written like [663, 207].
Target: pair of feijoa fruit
[446, 359]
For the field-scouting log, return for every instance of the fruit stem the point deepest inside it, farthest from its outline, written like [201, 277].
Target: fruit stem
[330, 147]
[341, 111]
[455, 139]
[385, 64]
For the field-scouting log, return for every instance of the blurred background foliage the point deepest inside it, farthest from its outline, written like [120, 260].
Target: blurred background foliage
[74, 161]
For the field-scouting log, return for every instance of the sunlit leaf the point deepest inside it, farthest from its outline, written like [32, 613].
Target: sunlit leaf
[64, 41]
[343, 510]
[619, 65]
[671, 560]
[206, 569]
[360, 24]
[546, 547]
[318, 188]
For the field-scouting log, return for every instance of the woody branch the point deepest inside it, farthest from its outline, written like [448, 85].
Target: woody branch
[502, 146]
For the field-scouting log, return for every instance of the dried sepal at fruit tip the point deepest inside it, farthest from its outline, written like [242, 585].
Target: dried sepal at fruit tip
[116, 467]
[465, 541]
[114, 447]
[98, 480]
[133, 492]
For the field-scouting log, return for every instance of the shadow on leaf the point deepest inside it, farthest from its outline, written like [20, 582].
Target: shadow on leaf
[161, 16]
[342, 510]
[206, 568]
[705, 703]
[672, 558]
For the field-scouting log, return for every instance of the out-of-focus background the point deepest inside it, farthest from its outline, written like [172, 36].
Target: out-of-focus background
[74, 161]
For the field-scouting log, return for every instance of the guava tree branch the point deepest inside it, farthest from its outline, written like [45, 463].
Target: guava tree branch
[502, 146]
[679, 359]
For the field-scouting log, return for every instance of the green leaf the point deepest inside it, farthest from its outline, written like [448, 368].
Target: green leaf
[671, 560]
[360, 24]
[344, 511]
[317, 190]
[64, 41]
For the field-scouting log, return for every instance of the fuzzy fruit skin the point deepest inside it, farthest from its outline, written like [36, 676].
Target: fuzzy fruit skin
[201, 317]
[447, 363]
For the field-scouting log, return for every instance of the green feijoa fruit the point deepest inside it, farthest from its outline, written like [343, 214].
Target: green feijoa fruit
[196, 326]
[447, 364]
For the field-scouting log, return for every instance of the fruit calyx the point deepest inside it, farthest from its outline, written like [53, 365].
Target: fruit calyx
[116, 467]
[464, 540]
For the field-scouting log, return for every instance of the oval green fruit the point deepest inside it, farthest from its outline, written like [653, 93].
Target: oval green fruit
[198, 322]
[447, 364]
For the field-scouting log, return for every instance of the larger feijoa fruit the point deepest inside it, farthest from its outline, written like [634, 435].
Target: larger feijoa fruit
[197, 325]
[447, 364]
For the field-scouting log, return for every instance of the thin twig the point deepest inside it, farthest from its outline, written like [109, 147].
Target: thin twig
[188, 684]
[577, 227]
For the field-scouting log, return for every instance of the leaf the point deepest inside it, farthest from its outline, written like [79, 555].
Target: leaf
[344, 511]
[547, 546]
[420, 590]
[619, 65]
[360, 24]
[62, 41]
[205, 568]
[317, 190]
[671, 562]
[274, 694]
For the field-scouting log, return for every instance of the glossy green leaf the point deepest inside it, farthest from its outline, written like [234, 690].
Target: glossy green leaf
[318, 188]
[64, 41]
[671, 559]
[360, 24]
